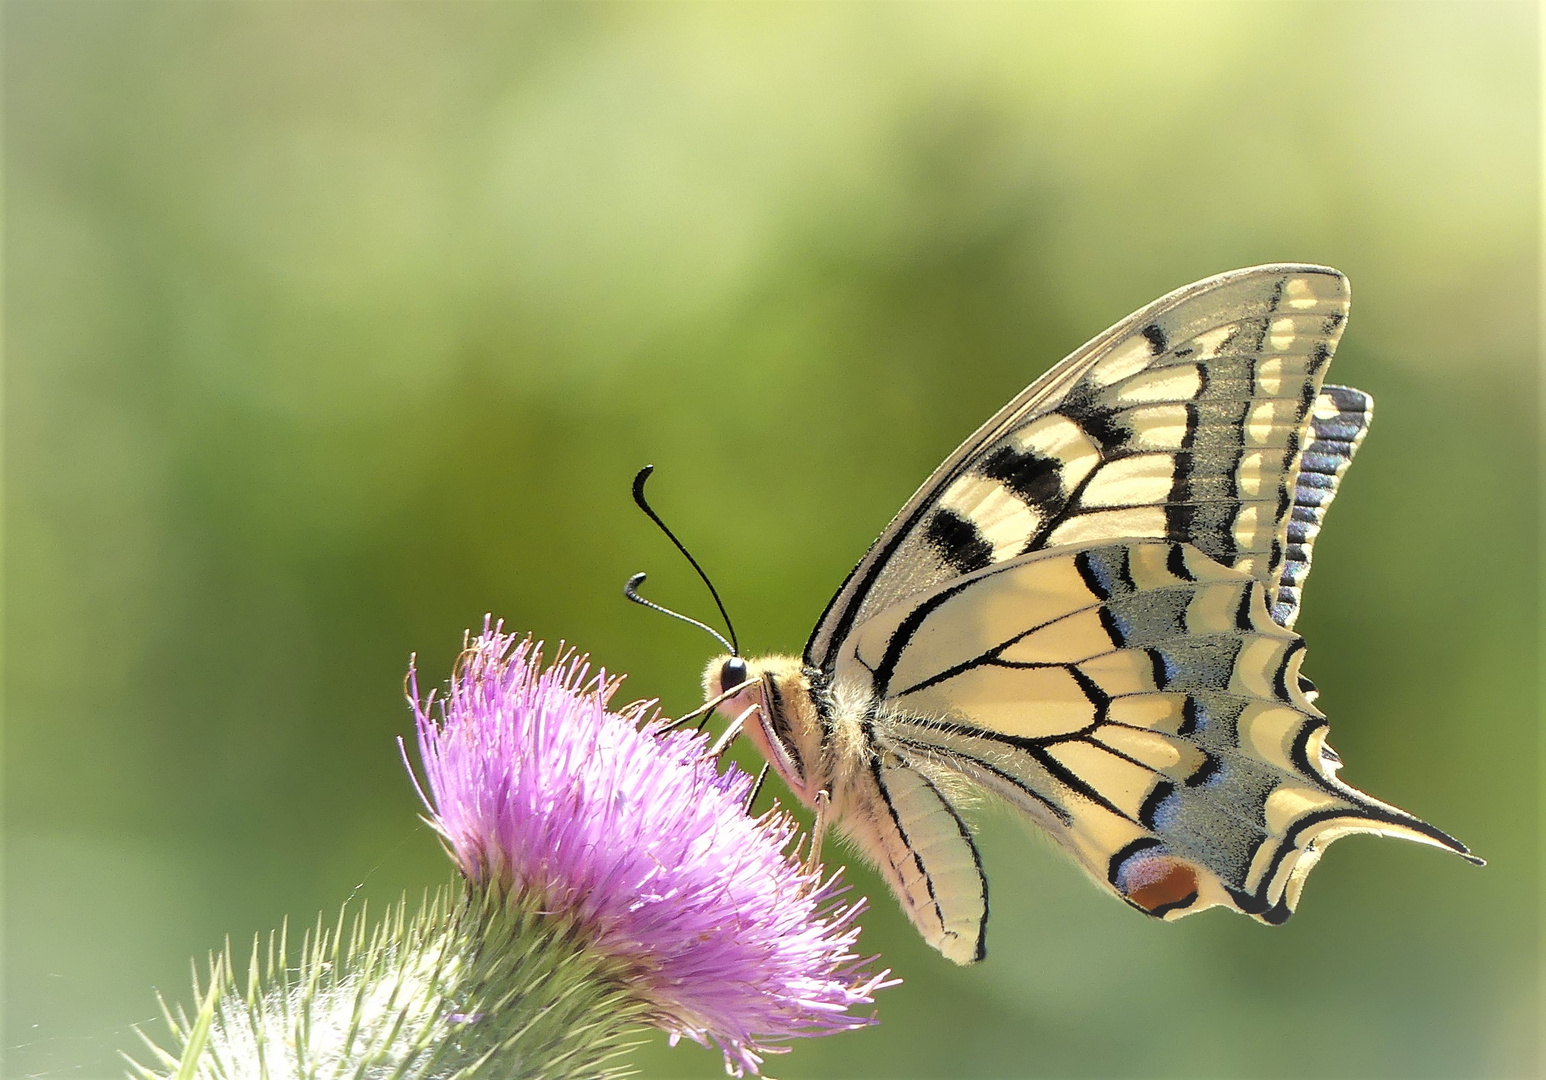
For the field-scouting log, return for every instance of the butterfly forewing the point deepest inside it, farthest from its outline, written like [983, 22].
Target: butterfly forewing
[1184, 421]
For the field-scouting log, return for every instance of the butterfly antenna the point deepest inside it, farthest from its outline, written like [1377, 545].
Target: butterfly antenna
[631, 591]
[638, 497]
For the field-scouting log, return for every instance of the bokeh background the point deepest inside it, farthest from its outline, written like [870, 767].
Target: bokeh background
[331, 327]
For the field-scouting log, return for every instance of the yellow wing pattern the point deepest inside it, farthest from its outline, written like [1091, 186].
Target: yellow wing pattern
[1139, 702]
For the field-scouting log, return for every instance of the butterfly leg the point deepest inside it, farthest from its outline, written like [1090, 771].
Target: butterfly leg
[707, 708]
[751, 796]
[819, 829]
[729, 735]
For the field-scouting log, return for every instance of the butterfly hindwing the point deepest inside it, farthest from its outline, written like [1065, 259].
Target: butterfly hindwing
[924, 850]
[1139, 701]
[1184, 421]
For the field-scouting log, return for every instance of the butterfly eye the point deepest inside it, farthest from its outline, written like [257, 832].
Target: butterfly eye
[733, 674]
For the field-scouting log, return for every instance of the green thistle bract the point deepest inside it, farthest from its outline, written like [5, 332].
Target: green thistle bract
[474, 986]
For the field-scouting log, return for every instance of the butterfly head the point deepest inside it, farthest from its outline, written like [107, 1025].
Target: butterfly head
[774, 697]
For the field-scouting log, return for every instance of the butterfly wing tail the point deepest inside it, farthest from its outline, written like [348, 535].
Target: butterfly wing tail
[1258, 820]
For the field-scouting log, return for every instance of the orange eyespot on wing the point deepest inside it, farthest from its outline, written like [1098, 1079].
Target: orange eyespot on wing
[1157, 883]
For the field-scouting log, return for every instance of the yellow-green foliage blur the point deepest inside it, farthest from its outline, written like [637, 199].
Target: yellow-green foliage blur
[331, 327]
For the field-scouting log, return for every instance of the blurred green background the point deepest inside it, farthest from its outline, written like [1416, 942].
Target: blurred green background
[330, 327]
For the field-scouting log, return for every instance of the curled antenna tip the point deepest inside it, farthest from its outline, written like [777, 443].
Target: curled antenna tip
[638, 484]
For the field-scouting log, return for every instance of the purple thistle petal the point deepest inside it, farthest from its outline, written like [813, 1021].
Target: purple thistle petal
[634, 834]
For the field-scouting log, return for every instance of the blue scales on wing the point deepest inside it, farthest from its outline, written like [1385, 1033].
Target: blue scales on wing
[1136, 700]
[1338, 423]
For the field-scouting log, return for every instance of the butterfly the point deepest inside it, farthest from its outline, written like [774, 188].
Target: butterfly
[1087, 611]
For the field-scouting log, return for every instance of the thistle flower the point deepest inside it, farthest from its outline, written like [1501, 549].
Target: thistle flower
[611, 878]
[540, 791]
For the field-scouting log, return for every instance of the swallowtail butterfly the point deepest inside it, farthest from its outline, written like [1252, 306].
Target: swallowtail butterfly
[1088, 612]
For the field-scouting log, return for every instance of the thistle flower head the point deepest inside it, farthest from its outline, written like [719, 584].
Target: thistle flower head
[631, 833]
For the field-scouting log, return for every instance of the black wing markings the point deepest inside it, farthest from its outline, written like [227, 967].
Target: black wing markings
[993, 658]
[1229, 299]
[1033, 746]
[1036, 749]
[1032, 477]
[958, 541]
